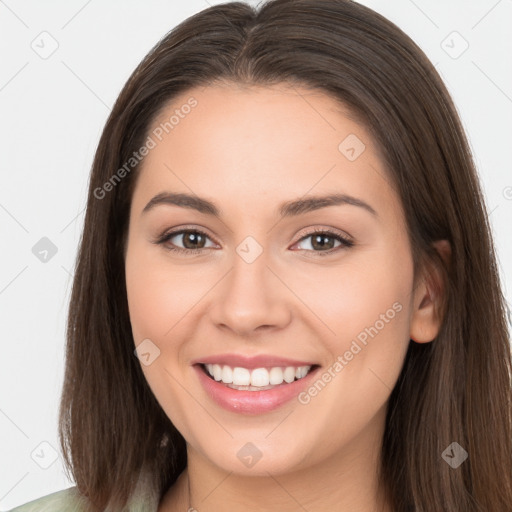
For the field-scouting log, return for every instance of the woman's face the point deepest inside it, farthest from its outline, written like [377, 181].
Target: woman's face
[262, 291]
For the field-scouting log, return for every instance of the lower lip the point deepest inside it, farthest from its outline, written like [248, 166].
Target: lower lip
[252, 402]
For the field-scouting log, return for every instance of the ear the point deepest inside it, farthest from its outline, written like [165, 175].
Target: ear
[425, 321]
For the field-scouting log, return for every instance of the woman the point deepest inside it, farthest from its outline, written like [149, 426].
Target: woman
[216, 360]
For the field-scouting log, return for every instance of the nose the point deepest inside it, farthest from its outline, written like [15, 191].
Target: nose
[251, 299]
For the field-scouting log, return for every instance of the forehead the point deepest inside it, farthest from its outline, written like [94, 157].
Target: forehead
[279, 142]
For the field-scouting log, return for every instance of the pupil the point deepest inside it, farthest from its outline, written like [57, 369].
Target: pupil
[318, 241]
[194, 237]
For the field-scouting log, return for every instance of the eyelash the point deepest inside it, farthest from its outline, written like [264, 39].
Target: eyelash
[345, 242]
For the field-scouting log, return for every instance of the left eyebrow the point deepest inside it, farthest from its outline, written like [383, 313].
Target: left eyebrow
[308, 204]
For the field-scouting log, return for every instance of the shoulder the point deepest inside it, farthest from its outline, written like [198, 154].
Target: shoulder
[68, 500]
[145, 498]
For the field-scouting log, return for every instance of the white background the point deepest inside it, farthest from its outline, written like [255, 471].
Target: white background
[52, 114]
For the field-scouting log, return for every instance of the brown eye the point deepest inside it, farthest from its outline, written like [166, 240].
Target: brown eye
[193, 240]
[323, 242]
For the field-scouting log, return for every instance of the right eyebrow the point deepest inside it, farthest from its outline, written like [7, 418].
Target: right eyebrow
[185, 201]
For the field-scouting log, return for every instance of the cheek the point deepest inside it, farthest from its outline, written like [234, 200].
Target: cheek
[159, 294]
[147, 300]
[364, 291]
[368, 309]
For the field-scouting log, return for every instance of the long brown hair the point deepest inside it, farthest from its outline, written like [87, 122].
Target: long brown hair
[455, 389]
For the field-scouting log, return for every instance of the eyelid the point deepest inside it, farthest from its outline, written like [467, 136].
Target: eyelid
[323, 229]
[186, 227]
[346, 241]
[179, 230]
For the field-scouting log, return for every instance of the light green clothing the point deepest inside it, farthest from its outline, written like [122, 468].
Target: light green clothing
[144, 499]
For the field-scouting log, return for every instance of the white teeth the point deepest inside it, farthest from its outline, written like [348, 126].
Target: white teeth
[241, 376]
[289, 374]
[276, 376]
[227, 374]
[259, 377]
[217, 372]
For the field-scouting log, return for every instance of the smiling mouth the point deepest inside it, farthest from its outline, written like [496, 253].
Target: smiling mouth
[257, 379]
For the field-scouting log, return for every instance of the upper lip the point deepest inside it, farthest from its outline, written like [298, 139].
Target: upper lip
[251, 362]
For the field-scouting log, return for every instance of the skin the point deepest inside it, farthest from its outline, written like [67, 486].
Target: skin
[248, 149]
